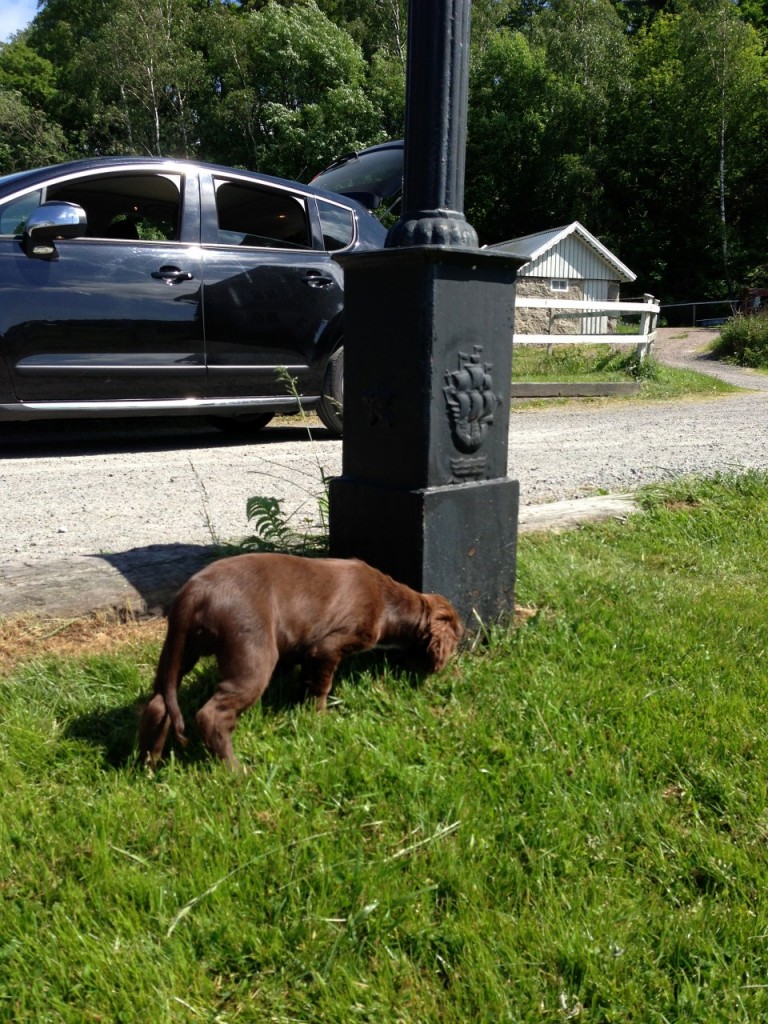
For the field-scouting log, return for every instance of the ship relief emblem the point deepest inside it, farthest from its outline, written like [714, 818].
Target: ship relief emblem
[471, 404]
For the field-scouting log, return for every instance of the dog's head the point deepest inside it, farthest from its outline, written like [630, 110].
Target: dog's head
[442, 633]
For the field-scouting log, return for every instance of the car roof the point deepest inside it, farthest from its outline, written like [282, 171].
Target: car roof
[37, 175]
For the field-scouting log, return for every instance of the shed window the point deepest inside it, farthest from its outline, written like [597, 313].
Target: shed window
[558, 284]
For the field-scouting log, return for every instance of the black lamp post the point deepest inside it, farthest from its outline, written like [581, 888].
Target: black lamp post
[424, 494]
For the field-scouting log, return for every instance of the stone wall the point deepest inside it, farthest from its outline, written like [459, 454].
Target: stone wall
[537, 321]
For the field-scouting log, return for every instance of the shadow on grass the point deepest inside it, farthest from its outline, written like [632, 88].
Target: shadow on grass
[114, 729]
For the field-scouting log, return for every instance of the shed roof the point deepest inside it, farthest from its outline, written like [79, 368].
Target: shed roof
[531, 247]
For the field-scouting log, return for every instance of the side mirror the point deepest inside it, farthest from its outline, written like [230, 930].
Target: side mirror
[49, 222]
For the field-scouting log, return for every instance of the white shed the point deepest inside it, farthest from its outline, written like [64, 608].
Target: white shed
[565, 263]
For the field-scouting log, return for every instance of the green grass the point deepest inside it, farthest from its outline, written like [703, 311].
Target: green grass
[600, 363]
[569, 824]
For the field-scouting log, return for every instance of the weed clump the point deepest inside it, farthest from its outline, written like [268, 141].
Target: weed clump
[744, 340]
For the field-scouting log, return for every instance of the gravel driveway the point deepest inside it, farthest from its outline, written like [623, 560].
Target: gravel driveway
[97, 493]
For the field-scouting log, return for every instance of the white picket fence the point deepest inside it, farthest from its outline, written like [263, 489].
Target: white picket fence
[648, 310]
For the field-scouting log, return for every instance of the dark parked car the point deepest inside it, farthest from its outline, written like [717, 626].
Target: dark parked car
[373, 176]
[147, 286]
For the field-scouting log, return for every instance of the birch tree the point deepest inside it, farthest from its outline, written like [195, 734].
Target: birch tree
[732, 94]
[147, 68]
[701, 126]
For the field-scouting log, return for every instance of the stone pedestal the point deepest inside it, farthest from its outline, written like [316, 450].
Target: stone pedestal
[424, 494]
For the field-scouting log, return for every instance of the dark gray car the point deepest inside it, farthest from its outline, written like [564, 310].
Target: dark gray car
[146, 286]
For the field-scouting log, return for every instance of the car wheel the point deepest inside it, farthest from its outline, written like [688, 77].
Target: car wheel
[242, 426]
[331, 406]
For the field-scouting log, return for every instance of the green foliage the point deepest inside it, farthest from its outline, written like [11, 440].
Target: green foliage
[510, 96]
[755, 12]
[377, 26]
[277, 530]
[571, 362]
[290, 90]
[544, 105]
[274, 529]
[699, 102]
[744, 340]
[568, 824]
[25, 72]
[148, 71]
[27, 137]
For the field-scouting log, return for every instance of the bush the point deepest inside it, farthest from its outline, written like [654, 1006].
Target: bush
[744, 340]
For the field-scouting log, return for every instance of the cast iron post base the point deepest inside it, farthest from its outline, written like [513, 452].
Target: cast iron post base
[459, 541]
[424, 494]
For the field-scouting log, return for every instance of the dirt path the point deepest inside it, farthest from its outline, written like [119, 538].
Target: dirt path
[687, 349]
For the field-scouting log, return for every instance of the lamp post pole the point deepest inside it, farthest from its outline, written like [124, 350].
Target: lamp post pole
[435, 127]
[428, 326]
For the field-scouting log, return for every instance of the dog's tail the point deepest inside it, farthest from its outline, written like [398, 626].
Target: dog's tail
[172, 664]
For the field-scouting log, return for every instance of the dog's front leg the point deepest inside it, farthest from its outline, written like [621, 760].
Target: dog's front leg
[318, 673]
[245, 676]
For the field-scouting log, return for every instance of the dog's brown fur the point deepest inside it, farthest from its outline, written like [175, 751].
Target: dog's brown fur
[251, 611]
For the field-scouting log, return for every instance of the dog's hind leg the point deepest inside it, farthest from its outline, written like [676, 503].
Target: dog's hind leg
[177, 657]
[154, 725]
[244, 681]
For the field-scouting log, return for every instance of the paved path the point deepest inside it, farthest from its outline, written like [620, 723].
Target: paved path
[142, 581]
[558, 454]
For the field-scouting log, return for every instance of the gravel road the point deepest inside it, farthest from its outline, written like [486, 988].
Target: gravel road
[93, 490]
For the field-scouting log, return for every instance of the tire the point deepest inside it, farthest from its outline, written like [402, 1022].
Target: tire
[331, 406]
[242, 426]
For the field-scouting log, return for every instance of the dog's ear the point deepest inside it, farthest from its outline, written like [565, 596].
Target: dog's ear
[445, 631]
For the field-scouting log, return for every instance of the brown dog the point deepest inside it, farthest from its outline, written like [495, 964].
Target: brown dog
[251, 611]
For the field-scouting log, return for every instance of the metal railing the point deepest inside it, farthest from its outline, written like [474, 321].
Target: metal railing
[728, 306]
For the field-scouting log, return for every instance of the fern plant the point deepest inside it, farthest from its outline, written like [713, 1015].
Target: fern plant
[273, 530]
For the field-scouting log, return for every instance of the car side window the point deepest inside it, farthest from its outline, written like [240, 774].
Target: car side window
[15, 213]
[137, 206]
[338, 224]
[261, 217]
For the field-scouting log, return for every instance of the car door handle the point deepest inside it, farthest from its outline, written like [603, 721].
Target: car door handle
[317, 280]
[171, 275]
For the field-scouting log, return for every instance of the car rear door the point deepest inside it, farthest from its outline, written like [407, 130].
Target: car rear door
[116, 316]
[272, 295]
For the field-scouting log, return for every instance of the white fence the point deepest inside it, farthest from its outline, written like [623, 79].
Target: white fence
[648, 310]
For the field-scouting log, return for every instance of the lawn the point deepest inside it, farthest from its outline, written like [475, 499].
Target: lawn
[600, 363]
[570, 823]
